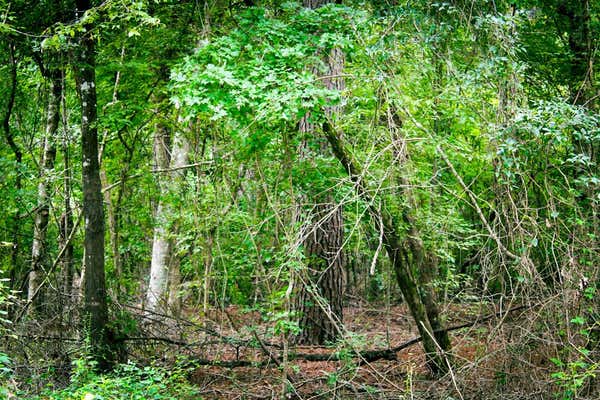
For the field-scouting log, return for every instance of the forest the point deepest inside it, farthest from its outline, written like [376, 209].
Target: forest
[315, 199]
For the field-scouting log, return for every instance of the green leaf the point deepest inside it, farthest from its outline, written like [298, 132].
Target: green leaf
[579, 320]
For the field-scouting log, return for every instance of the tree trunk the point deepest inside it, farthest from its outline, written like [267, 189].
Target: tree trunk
[95, 316]
[320, 296]
[39, 256]
[320, 299]
[406, 281]
[112, 231]
[66, 220]
[160, 243]
[18, 159]
[156, 295]
[208, 264]
[424, 262]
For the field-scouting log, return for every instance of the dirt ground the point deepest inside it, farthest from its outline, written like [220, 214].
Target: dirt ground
[487, 362]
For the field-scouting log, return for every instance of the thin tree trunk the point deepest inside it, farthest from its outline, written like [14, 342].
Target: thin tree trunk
[95, 302]
[208, 262]
[39, 256]
[174, 284]
[18, 160]
[66, 225]
[422, 260]
[112, 231]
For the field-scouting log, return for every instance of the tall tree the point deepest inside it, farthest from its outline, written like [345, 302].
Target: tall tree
[169, 162]
[320, 297]
[39, 256]
[18, 155]
[95, 310]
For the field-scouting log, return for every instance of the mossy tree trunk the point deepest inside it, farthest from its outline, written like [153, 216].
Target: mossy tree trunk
[408, 283]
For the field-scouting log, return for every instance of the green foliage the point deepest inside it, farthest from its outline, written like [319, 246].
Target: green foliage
[128, 381]
[480, 81]
[256, 78]
[574, 375]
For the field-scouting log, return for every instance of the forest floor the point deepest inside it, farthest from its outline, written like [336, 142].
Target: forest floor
[488, 358]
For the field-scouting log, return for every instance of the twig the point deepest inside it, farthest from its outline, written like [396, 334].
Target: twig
[476, 205]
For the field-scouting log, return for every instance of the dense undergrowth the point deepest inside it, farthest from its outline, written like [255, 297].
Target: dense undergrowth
[127, 381]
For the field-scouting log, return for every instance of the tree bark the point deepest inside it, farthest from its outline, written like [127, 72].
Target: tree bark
[95, 310]
[39, 256]
[156, 295]
[319, 299]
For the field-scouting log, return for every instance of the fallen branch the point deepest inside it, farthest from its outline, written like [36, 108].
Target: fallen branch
[363, 356]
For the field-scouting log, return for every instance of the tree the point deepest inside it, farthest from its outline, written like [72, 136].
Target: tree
[95, 309]
[170, 162]
[17, 153]
[321, 292]
[39, 253]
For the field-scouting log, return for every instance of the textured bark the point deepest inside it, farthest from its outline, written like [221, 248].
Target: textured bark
[157, 295]
[95, 305]
[39, 256]
[319, 299]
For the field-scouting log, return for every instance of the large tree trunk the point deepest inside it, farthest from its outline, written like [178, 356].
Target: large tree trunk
[320, 295]
[95, 313]
[39, 256]
[173, 171]
[160, 243]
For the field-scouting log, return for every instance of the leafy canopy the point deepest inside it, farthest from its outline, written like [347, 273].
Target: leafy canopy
[264, 73]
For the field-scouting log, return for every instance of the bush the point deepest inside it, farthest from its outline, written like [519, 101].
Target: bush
[128, 381]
